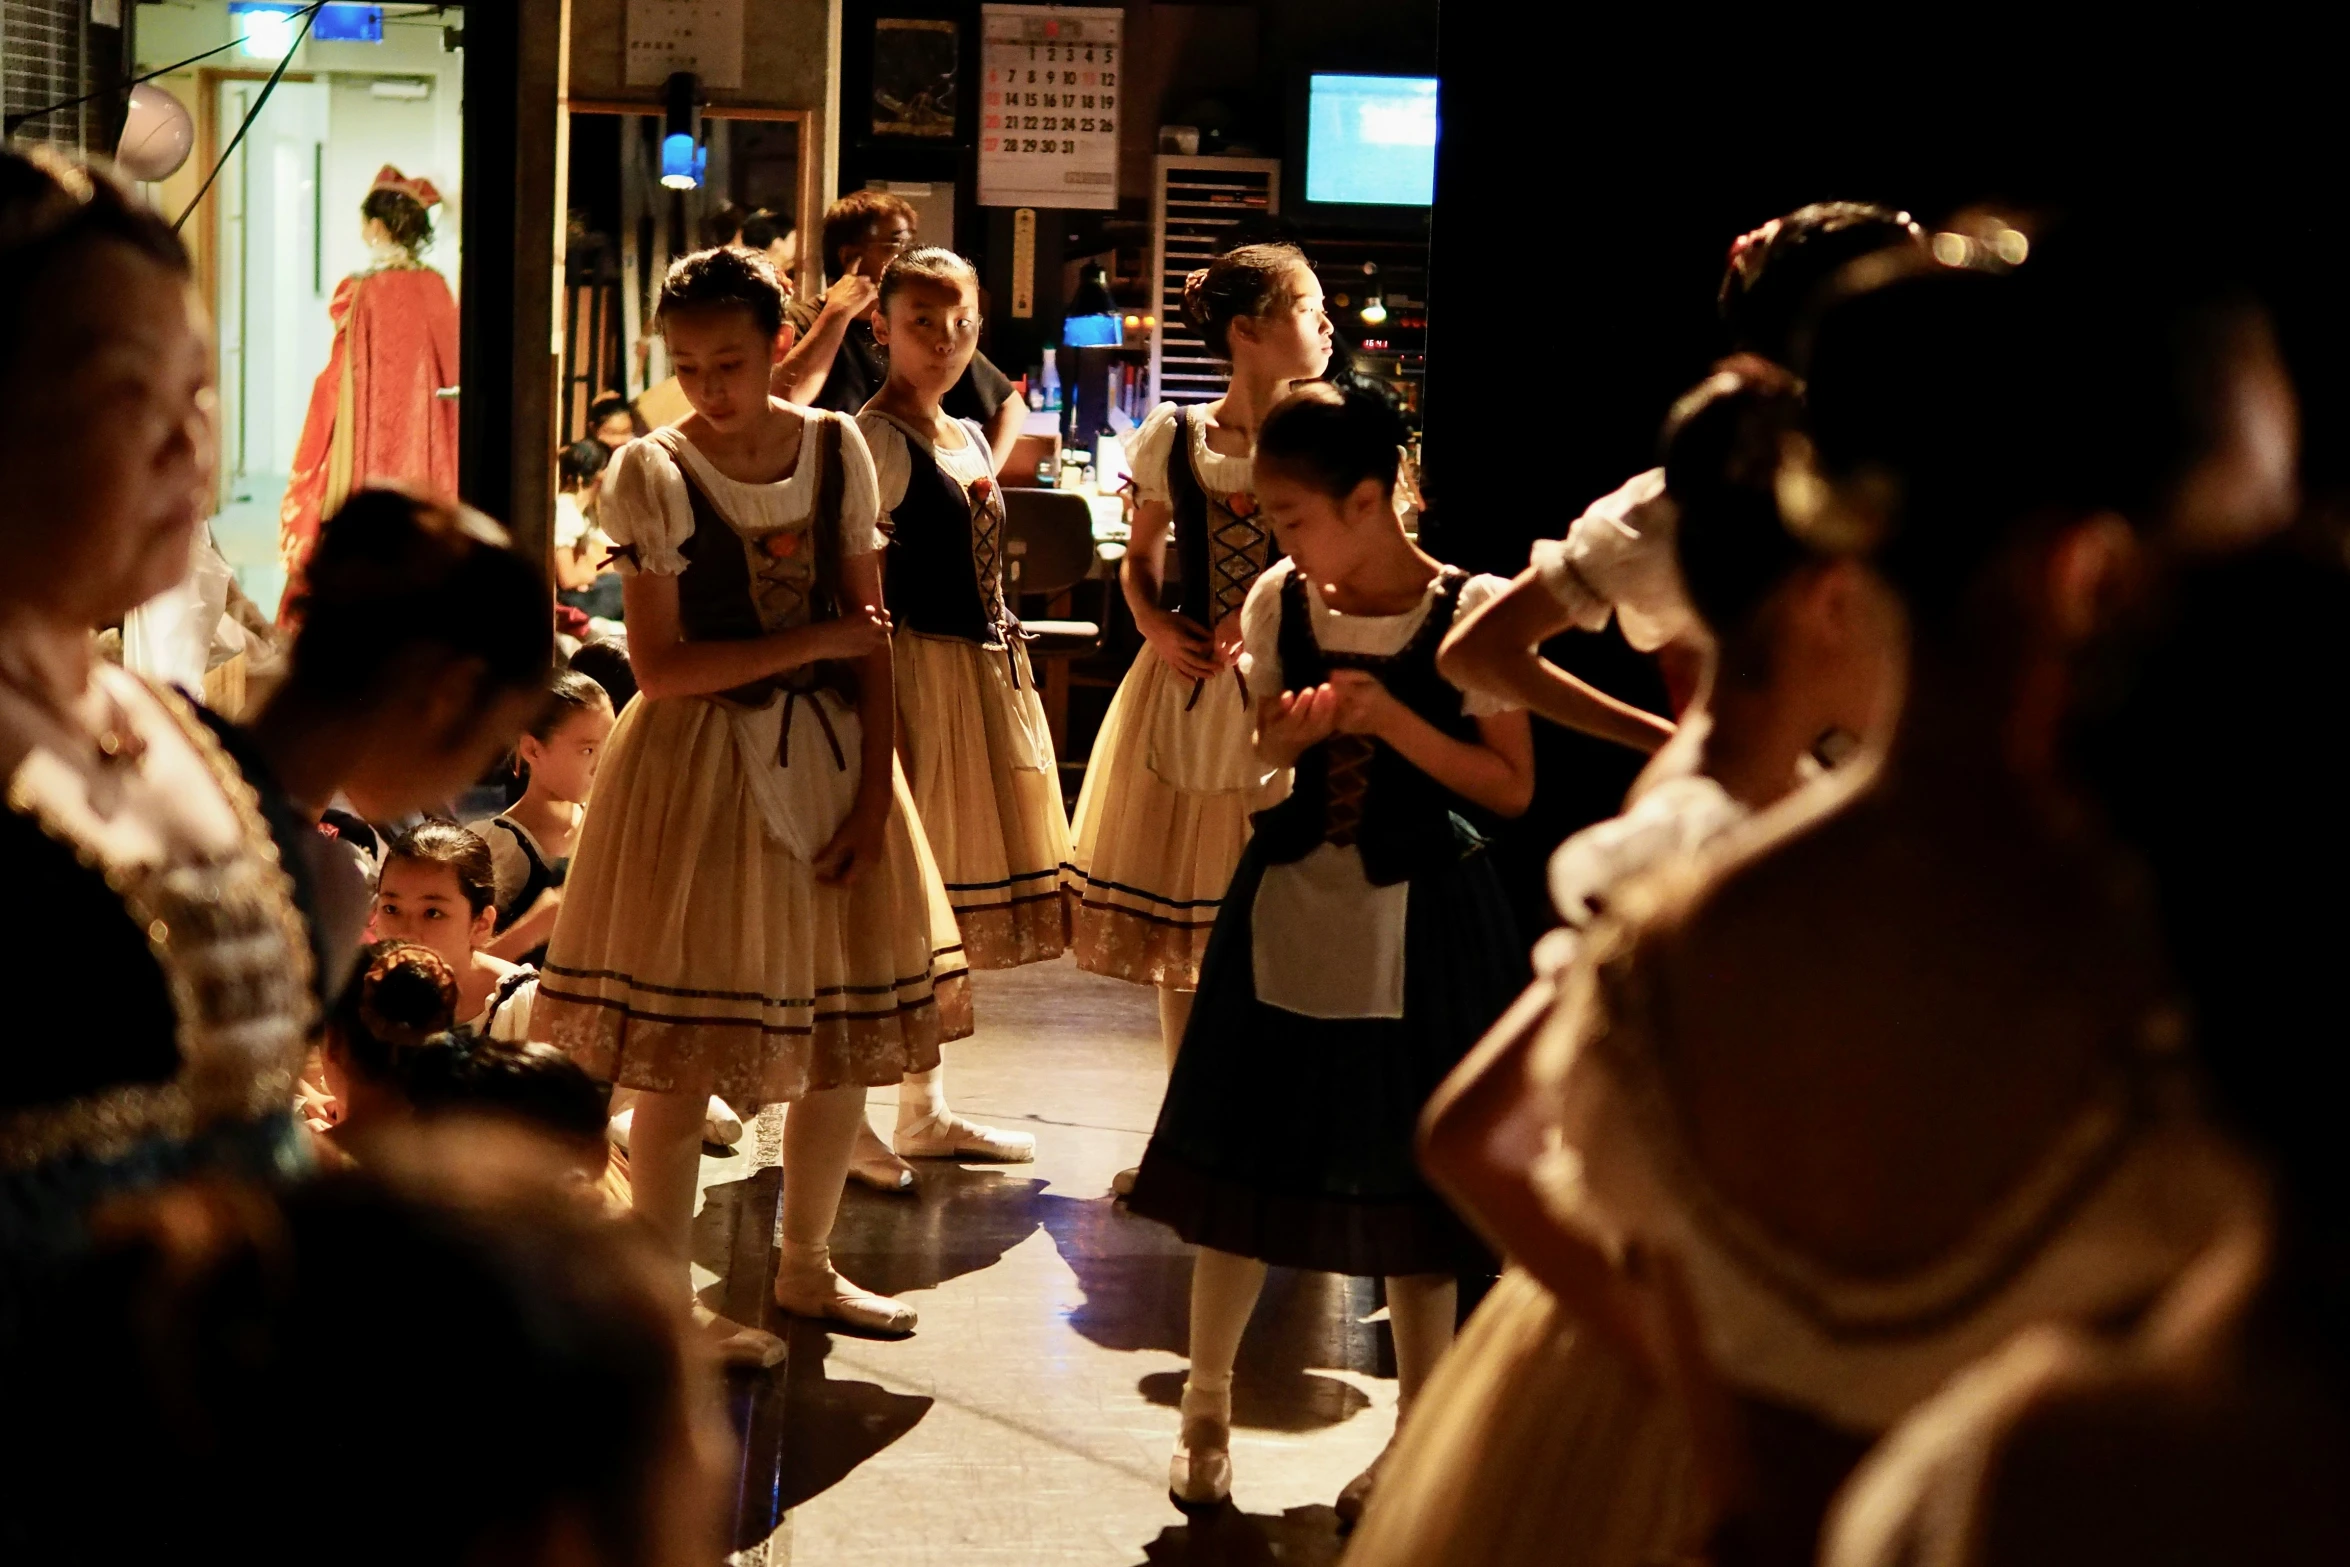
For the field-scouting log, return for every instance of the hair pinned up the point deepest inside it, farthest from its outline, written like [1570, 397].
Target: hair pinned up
[1333, 437]
[394, 572]
[402, 997]
[927, 264]
[51, 209]
[724, 278]
[1722, 450]
[1246, 281]
[1776, 272]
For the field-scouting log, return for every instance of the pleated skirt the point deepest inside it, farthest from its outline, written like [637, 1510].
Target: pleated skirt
[691, 939]
[1289, 1138]
[1161, 823]
[979, 759]
[1534, 1444]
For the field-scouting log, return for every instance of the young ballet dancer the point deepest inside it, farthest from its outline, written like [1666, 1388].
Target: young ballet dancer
[1799, 643]
[531, 840]
[1164, 812]
[751, 909]
[1366, 941]
[972, 733]
[1617, 559]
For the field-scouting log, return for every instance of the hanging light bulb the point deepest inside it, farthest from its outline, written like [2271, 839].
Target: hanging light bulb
[683, 160]
[1374, 311]
[1374, 302]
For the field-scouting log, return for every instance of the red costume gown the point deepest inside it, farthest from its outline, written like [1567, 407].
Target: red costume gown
[374, 411]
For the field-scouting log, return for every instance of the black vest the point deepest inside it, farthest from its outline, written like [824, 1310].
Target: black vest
[1219, 554]
[945, 575]
[727, 576]
[1354, 789]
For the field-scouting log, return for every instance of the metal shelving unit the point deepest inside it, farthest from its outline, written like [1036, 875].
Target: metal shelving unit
[1196, 204]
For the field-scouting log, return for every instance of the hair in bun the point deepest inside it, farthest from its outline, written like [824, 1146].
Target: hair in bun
[402, 997]
[1245, 281]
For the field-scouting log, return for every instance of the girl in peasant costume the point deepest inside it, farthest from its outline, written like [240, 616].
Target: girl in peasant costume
[1164, 813]
[971, 730]
[752, 910]
[1366, 942]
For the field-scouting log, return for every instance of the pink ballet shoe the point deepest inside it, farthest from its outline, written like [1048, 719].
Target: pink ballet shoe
[1122, 1184]
[1199, 1476]
[872, 1164]
[807, 1285]
[720, 1124]
[952, 1137]
[736, 1345]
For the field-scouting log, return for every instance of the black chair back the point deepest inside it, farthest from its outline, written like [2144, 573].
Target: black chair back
[1048, 541]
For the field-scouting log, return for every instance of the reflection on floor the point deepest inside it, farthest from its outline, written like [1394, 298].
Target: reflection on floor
[245, 533]
[1030, 1419]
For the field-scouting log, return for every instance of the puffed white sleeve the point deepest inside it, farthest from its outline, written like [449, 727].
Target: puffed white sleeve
[1260, 632]
[1149, 452]
[860, 492]
[1477, 591]
[645, 512]
[892, 462]
[1578, 569]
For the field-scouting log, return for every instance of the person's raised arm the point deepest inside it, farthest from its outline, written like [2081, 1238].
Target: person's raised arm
[863, 837]
[1182, 643]
[1496, 648]
[809, 364]
[668, 665]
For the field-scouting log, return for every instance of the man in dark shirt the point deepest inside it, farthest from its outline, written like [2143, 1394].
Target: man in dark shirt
[836, 363]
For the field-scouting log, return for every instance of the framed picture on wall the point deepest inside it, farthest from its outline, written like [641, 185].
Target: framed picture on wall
[914, 70]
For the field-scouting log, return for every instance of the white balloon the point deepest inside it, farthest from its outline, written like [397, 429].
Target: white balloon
[157, 134]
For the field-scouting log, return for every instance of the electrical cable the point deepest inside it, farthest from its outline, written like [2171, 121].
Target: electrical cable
[308, 14]
[14, 122]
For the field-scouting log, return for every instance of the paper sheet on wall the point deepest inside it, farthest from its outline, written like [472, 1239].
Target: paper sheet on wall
[701, 36]
[1049, 105]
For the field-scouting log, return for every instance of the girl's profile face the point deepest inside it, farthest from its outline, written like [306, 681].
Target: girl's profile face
[111, 435]
[1292, 340]
[563, 765]
[722, 361]
[420, 901]
[931, 330]
[1325, 534]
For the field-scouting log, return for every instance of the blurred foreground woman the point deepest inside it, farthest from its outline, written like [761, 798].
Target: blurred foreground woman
[1897, 1078]
[2220, 1431]
[171, 975]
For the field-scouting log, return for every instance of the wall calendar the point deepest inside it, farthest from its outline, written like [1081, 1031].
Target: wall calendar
[1049, 105]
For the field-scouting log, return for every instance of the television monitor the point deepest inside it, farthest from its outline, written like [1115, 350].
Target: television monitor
[1371, 140]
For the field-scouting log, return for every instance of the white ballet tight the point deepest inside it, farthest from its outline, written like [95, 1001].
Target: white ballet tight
[665, 1153]
[1174, 1017]
[1224, 1288]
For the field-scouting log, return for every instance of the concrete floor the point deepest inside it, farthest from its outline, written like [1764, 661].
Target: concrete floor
[1031, 1417]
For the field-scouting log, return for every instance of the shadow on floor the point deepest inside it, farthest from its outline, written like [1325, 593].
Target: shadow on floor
[958, 1220]
[1300, 1537]
[803, 1433]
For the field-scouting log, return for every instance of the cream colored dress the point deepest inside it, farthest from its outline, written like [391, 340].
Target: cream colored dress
[978, 751]
[693, 931]
[1536, 1442]
[1174, 775]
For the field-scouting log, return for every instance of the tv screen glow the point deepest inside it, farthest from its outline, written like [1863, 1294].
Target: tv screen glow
[1371, 140]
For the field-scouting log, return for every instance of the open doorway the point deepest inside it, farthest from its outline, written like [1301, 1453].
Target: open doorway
[281, 228]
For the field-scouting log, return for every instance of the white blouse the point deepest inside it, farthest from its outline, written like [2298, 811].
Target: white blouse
[1325, 903]
[1377, 635]
[647, 507]
[1153, 447]
[1617, 559]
